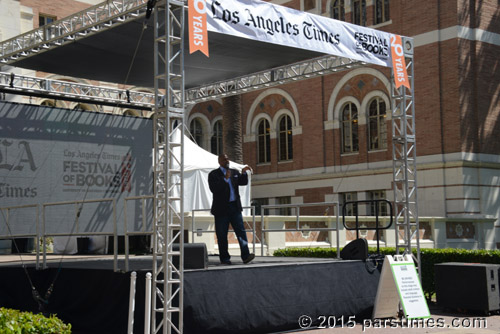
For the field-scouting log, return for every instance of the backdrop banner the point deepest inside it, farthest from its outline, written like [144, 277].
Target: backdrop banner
[267, 22]
[51, 157]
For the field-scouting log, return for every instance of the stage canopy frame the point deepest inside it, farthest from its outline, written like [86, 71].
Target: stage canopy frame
[112, 29]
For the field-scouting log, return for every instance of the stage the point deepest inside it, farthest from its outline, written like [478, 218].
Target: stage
[269, 295]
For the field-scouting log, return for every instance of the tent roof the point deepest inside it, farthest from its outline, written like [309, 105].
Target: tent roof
[196, 158]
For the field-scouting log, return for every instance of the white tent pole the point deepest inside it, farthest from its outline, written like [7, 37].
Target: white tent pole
[131, 303]
[147, 308]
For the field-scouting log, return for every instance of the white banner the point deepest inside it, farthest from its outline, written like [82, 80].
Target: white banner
[52, 155]
[266, 22]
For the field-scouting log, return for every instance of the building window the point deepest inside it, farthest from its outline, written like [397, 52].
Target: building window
[359, 12]
[337, 10]
[377, 127]
[381, 11]
[285, 200]
[285, 138]
[350, 128]
[352, 208]
[308, 5]
[258, 203]
[382, 206]
[45, 19]
[196, 131]
[264, 142]
[131, 112]
[48, 103]
[82, 106]
[216, 140]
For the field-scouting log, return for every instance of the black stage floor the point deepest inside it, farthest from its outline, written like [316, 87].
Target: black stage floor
[269, 295]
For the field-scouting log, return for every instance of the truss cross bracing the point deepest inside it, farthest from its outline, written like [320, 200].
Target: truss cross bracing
[68, 30]
[404, 158]
[277, 76]
[168, 280]
[64, 90]
[11, 83]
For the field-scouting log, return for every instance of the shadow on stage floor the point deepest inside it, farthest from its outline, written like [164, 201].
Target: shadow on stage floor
[268, 295]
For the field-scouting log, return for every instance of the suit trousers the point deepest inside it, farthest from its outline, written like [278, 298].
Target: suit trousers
[222, 222]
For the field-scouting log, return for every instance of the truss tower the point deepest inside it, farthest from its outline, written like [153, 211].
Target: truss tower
[168, 275]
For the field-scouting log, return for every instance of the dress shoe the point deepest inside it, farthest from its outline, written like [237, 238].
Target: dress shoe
[227, 262]
[249, 258]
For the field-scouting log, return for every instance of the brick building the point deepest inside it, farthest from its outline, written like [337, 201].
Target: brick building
[329, 138]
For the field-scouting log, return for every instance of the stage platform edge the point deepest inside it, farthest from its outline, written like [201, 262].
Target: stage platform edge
[269, 295]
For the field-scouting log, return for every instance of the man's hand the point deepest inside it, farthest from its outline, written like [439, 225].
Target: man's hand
[244, 170]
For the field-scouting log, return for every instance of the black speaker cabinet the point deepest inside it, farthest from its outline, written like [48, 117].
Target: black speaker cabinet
[355, 250]
[467, 286]
[195, 256]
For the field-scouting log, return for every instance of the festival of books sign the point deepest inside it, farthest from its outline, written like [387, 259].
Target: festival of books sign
[52, 155]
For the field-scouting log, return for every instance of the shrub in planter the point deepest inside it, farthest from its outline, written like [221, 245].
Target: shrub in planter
[17, 322]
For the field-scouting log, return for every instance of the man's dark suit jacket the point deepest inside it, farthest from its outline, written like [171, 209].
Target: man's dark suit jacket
[220, 190]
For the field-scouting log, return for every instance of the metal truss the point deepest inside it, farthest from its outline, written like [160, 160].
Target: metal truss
[71, 28]
[277, 76]
[57, 89]
[404, 157]
[63, 90]
[168, 275]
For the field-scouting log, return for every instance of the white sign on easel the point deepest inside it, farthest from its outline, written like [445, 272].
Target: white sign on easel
[399, 283]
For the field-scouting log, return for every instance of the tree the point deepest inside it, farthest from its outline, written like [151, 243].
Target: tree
[231, 128]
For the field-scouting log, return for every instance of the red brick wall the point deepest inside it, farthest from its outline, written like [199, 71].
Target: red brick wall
[313, 195]
[456, 100]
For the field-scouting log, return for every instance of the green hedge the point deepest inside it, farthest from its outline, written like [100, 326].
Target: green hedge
[428, 257]
[17, 322]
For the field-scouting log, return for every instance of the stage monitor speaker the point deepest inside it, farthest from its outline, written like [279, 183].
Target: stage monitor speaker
[355, 250]
[195, 256]
[467, 286]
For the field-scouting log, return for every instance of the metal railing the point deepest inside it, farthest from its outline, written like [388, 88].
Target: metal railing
[297, 221]
[75, 229]
[143, 224]
[199, 232]
[377, 228]
[11, 234]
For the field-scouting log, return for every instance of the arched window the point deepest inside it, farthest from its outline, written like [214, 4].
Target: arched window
[264, 142]
[377, 128]
[382, 11]
[216, 140]
[48, 103]
[285, 145]
[82, 106]
[337, 10]
[359, 12]
[131, 112]
[196, 131]
[349, 120]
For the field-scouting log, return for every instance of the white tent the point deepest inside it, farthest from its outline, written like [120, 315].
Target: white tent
[198, 163]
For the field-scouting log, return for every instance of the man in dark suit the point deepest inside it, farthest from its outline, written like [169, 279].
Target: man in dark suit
[226, 207]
